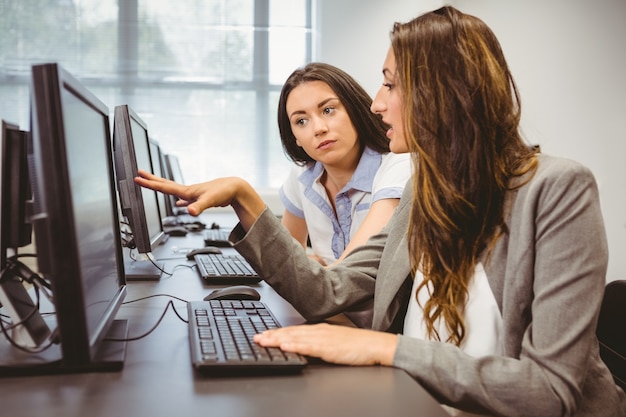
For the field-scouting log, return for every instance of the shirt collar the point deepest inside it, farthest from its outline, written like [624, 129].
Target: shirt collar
[362, 178]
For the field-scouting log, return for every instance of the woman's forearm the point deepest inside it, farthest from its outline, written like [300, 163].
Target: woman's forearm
[247, 203]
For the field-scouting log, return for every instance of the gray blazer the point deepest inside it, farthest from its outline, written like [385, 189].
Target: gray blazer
[547, 275]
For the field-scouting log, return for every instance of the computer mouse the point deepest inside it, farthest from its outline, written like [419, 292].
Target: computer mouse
[206, 249]
[175, 231]
[234, 292]
[195, 226]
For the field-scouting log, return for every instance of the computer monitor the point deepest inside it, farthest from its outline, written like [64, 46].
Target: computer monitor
[139, 205]
[172, 222]
[16, 229]
[174, 173]
[170, 208]
[26, 327]
[163, 200]
[76, 226]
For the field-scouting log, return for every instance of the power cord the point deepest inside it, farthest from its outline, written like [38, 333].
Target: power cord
[16, 269]
[152, 261]
[22, 271]
[158, 267]
[169, 304]
[12, 342]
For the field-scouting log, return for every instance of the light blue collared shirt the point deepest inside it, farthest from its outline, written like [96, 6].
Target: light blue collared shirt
[377, 176]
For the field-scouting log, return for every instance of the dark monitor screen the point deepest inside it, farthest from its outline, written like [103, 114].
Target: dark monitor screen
[155, 155]
[76, 219]
[139, 205]
[174, 173]
[170, 204]
[16, 208]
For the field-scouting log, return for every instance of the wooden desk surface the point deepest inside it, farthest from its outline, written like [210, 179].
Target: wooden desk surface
[158, 380]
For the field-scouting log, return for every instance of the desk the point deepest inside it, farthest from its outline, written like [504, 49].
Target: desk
[158, 380]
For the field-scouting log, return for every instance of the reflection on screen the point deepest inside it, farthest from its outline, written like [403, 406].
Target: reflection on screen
[88, 165]
[142, 154]
[156, 170]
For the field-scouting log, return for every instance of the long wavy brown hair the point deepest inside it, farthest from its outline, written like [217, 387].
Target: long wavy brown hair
[462, 114]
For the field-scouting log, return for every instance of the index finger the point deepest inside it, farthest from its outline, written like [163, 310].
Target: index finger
[149, 180]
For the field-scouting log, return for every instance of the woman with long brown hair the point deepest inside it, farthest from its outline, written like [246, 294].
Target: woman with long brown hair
[487, 283]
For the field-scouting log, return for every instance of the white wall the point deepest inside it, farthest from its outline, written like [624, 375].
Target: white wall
[354, 34]
[568, 58]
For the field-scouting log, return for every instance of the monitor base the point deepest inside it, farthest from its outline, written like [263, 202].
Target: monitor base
[142, 270]
[109, 358]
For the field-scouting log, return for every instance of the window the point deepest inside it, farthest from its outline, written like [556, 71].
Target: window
[205, 75]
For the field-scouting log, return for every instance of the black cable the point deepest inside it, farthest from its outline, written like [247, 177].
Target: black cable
[25, 255]
[154, 296]
[185, 266]
[13, 343]
[159, 268]
[152, 261]
[20, 270]
[153, 328]
[5, 329]
[24, 273]
[128, 239]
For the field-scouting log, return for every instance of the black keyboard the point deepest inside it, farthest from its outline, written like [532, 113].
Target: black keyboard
[217, 237]
[220, 336]
[219, 268]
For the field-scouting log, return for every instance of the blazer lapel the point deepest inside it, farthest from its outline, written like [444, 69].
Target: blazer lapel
[393, 283]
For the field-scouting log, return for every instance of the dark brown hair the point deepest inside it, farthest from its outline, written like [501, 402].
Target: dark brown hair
[369, 127]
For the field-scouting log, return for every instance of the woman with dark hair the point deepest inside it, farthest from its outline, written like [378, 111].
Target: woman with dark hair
[344, 185]
[487, 283]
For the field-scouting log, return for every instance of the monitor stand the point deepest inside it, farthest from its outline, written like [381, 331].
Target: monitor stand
[141, 269]
[109, 357]
[17, 303]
